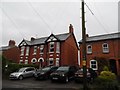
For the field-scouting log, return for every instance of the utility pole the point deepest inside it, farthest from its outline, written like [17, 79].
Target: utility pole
[84, 48]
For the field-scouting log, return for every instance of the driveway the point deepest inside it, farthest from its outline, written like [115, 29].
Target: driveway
[32, 84]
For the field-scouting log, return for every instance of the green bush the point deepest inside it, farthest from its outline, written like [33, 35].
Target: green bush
[107, 76]
[12, 67]
[105, 68]
[107, 81]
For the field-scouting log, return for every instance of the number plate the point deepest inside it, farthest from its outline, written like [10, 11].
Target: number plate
[55, 78]
[80, 75]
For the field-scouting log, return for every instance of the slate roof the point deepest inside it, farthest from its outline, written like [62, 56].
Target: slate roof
[102, 37]
[5, 48]
[61, 37]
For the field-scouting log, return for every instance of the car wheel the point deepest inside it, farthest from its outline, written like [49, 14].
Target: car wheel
[20, 77]
[66, 79]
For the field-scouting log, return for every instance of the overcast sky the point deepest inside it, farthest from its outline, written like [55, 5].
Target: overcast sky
[39, 19]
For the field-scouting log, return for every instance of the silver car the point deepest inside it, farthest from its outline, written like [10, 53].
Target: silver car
[23, 73]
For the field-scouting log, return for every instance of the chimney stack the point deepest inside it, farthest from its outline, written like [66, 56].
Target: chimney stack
[11, 43]
[32, 38]
[87, 35]
[71, 30]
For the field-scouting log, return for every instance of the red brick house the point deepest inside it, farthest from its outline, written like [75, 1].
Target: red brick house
[10, 52]
[103, 46]
[61, 49]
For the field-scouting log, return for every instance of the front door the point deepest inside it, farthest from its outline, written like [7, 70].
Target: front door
[113, 67]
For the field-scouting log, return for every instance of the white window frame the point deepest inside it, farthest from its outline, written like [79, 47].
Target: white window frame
[91, 65]
[41, 49]
[41, 59]
[26, 61]
[51, 59]
[22, 50]
[57, 47]
[89, 50]
[33, 61]
[51, 43]
[57, 62]
[35, 50]
[105, 49]
[21, 61]
[27, 50]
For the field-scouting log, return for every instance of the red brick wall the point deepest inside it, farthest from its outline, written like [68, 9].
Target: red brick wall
[12, 54]
[69, 55]
[114, 51]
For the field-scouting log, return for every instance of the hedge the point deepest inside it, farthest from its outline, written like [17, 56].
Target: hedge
[12, 67]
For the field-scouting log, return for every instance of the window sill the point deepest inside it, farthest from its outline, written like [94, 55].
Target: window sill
[50, 52]
[41, 53]
[105, 52]
[27, 55]
[89, 53]
[22, 55]
[95, 69]
[34, 54]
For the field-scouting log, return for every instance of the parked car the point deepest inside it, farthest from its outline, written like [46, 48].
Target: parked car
[22, 73]
[91, 75]
[63, 73]
[45, 72]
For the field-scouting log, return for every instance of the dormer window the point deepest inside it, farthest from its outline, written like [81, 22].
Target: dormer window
[89, 49]
[105, 48]
[51, 49]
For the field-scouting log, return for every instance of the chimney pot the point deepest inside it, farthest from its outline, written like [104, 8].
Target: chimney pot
[32, 38]
[71, 28]
[11, 43]
[87, 35]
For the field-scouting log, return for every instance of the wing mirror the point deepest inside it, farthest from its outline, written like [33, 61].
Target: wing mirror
[24, 71]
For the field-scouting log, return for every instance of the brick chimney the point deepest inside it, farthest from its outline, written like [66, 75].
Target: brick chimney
[32, 38]
[71, 30]
[11, 43]
[87, 35]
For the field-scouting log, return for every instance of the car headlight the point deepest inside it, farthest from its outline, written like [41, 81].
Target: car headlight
[16, 74]
[63, 75]
[42, 73]
[51, 74]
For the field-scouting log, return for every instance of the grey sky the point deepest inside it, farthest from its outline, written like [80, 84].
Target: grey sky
[38, 19]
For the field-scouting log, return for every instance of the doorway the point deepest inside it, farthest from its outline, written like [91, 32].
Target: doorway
[113, 66]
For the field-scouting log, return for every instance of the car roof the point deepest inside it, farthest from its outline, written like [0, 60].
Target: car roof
[26, 67]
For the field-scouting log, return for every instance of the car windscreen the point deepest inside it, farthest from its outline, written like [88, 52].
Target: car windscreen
[63, 69]
[21, 70]
[46, 69]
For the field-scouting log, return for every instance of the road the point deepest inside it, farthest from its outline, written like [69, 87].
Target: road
[32, 84]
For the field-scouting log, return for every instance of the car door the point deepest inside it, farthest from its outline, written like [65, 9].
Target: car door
[28, 72]
[72, 71]
[53, 69]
